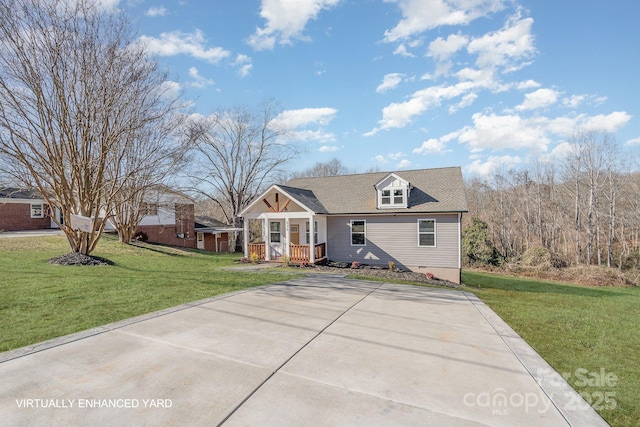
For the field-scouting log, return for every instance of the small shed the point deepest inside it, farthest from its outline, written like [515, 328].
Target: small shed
[213, 235]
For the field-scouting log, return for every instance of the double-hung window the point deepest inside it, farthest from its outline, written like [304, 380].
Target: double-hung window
[427, 232]
[274, 229]
[358, 232]
[37, 210]
[315, 232]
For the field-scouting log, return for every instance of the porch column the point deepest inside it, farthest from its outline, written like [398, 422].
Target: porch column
[245, 240]
[287, 238]
[312, 241]
[266, 238]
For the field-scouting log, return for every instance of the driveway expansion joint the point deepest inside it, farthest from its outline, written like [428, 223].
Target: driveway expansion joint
[255, 390]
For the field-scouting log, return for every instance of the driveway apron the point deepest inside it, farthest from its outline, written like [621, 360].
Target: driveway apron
[321, 350]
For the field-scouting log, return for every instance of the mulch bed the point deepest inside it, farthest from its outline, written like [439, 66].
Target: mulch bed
[76, 258]
[379, 272]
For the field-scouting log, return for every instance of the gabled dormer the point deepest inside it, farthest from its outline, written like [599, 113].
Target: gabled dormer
[393, 192]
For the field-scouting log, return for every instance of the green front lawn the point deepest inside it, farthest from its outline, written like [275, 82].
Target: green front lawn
[39, 301]
[589, 335]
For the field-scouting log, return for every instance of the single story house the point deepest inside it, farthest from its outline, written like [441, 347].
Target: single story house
[168, 218]
[213, 235]
[412, 218]
[22, 210]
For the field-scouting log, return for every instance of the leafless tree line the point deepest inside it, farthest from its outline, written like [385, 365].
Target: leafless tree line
[583, 207]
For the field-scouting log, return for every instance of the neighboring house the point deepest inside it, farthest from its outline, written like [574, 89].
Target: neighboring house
[168, 218]
[412, 218]
[213, 235]
[23, 210]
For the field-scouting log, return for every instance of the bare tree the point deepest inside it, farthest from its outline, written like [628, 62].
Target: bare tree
[235, 153]
[333, 167]
[75, 90]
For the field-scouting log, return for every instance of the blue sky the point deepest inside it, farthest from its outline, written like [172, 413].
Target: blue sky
[408, 84]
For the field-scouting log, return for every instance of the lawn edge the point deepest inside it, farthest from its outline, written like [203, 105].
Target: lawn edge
[77, 336]
[575, 410]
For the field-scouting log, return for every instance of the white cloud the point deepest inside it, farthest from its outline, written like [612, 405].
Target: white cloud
[380, 159]
[634, 141]
[431, 146]
[179, 43]
[488, 168]
[505, 47]
[403, 164]
[505, 132]
[465, 102]
[396, 156]
[443, 49]
[198, 80]
[298, 121]
[328, 148]
[286, 20]
[423, 15]
[298, 118]
[390, 81]
[573, 101]
[171, 89]
[540, 98]
[607, 123]
[399, 115]
[401, 50]
[529, 84]
[244, 64]
[308, 135]
[157, 11]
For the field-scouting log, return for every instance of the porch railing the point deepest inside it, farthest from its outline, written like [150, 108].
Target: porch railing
[257, 248]
[301, 253]
[297, 253]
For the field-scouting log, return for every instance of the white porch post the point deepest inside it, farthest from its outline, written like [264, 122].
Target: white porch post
[245, 240]
[266, 238]
[287, 239]
[312, 241]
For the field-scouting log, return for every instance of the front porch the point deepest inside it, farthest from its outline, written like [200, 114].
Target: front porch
[298, 254]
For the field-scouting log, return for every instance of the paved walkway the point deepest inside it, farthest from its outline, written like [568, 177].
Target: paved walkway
[317, 351]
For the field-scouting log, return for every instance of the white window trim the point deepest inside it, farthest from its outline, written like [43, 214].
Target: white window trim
[31, 205]
[435, 232]
[351, 231]
[392, 204]
[279, 232]
[315, 232]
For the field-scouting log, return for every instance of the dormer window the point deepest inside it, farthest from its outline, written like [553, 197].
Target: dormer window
[393, 192]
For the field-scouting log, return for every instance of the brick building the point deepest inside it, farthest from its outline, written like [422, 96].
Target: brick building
[23, 210]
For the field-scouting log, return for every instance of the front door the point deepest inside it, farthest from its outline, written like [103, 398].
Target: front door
[200, 240]
[294, 232]
[275, 239]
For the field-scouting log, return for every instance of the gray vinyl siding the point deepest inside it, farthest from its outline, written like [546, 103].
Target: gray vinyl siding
[395, 238]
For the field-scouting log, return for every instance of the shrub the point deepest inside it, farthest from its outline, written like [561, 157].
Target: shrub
[429, 276]
[355, 264]
[254, 258]
[285, 259]
[140, 236]
[392, 265]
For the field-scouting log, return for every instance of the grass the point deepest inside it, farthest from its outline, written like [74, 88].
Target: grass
[585, 333]
[578, 330]
[40, 301]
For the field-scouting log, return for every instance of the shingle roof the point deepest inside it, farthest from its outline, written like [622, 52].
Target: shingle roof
[306, 197]
[18, 193]
[432, 190]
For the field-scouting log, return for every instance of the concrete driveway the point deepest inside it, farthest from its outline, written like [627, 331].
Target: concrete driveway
[318, 351]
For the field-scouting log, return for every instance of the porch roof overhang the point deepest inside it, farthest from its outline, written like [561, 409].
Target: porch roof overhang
[217, 230]
[303, 198]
